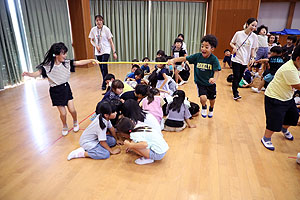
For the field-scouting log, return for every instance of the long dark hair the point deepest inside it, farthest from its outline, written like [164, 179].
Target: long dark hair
[101, 109]
[152, 92]
[178, 99]
[126, 125]
[49, 57]
[132, 110]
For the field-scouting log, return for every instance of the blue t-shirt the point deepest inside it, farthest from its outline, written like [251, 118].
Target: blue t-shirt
[131, 75]
[204, 68]
[146, 69]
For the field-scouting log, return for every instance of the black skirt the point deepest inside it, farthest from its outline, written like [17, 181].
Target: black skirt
[61, 94]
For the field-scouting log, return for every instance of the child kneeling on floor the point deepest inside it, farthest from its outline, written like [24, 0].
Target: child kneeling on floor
[94, 142]
[144, 141]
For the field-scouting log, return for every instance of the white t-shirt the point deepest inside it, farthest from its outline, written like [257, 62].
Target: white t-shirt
[154, 140]
[93, 134]
[101, 38]
[262, 40]
[150, 121]
[184, 47]
[244, 51]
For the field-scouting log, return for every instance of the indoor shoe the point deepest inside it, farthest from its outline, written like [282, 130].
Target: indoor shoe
[255, 90]
[236, 97]
[143, 161]
[268, 144]
[210, 114]
[288, 135]
[76, 127]
[204, 113]
[65, 131]
[298, 158]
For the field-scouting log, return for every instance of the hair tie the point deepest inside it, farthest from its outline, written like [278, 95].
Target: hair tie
[175, 96]
[129, 131]
[53, 55]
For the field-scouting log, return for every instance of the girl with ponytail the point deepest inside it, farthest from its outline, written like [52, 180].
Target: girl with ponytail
[57, 69]
[95, 142]
[144, 141]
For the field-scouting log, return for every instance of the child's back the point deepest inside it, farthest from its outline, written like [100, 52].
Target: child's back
[155, 107]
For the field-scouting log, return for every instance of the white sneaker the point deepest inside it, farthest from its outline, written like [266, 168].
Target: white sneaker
[76, 127]
[65, 131]
[298, 158]
[255, 90]
[268, 144]
[143, 161]
[77, 153]
[288, 135]
[182, 82]
[210, 114]
[204, 112]
[263, 89]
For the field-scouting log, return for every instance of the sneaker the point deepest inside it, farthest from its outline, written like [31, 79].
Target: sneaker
[268, 144]
[298, 158]
[263, 89]
[288, 135]
[236, 97]
[255, 90]
[204, 113]
[76, 127]
[77, 153]
[143, 161]
[65, 131]
[182, 82]
[210, 114]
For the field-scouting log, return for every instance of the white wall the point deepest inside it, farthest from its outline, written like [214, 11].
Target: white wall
[274, 15]
[296, 17]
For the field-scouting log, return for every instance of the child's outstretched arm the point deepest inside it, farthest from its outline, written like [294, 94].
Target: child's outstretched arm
[188, 121]
[165, 81]
[111, 151]
[175, 60]
[32, 74]
[133, 145]
[113, 132]
[84, 62]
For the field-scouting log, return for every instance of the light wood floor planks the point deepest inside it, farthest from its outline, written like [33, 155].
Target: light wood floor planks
[222, 159]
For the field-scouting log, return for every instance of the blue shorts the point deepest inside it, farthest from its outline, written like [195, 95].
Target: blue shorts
[156, 156]
[99, 152]
[268, 78]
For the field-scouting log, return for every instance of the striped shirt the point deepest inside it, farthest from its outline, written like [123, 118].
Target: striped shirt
[59, 74]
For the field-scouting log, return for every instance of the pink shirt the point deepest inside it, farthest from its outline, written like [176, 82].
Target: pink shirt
[154, 107]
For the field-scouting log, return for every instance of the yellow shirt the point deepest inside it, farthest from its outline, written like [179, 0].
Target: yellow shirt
[280, 87]
[127, 87]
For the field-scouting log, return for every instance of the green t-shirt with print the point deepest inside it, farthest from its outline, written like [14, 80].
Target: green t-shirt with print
[204, 68]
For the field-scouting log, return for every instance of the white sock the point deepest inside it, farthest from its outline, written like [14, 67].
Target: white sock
[77, 153]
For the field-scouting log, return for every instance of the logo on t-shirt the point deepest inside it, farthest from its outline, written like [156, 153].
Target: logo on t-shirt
[204, 66]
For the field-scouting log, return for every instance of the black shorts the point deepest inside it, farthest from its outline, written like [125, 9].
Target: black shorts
[61, 94]
[174, 123]
[280, 113]
[209, 91]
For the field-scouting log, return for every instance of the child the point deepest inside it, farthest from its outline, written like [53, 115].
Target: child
[137, 94]
[272, 41]
[170, 67]
[109, 78]
[153, 104]
[181, 36]
[177, 52]
[145, 67]
[274, 63]
[247, 80]
[145, 141]
[115, 91]
[227, 58]
[178, 113]
[206, 72]
[160, 53]
[56, 68]
[94, 142]
[262, 52]
[288, 48]
[137, 76]
[133, 68]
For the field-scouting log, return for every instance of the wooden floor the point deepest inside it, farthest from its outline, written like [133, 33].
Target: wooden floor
[222, 159]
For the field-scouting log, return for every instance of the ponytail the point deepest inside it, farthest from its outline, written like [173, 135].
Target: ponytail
[126, 125]
[101, 109]
[152, 92]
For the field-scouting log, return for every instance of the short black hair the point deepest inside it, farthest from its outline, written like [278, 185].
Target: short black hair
[276, 49]
[160, 59]
[139, 72]
[275, 41]
[211, 39]
[161, 52]
[135, 65]
[145, 59]
[180, 35]
[226, 50]
[292, 37]
[99, 16]
[262, 27]
[296, 53]
[141, 89]
[109, 77]
[135, 60]
[178, 40]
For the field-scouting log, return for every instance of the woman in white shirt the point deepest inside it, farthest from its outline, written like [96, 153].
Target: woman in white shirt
[244, 44]
[101, 39]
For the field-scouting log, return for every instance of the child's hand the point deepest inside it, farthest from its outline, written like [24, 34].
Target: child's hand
[212, 81]
[95, 62]
[25, 74]
[120, 142]
[122, 100]
[126, 144]
[115, 151]
[193, 126]
[234, 50]
[98, 48]
[170, 62]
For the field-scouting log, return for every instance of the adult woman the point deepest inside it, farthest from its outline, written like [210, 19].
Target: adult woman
[101, 39]
[244, 44]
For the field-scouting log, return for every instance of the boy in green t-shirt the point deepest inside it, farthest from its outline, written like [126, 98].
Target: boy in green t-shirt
[206, 72]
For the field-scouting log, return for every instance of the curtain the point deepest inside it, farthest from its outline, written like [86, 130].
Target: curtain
[168, 19]
[128, 22]
[46, 22]
[10, 68]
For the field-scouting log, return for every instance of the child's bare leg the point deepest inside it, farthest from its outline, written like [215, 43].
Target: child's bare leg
[63, 115]
[176, 75]
[72, 110]
[203, 100]
[261, 84]
[212, 102]
[142, 152]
